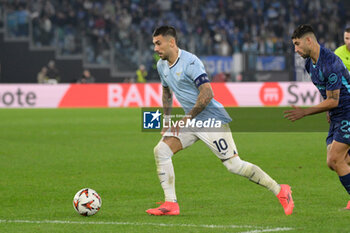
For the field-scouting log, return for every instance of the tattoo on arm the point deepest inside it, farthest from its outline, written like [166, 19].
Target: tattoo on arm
[333, 95]
[167, 99]
[204, 98]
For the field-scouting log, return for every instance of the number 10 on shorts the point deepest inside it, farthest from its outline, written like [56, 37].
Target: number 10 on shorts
[221, 144]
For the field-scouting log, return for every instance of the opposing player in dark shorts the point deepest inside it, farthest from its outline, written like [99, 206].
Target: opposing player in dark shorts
[330, 76]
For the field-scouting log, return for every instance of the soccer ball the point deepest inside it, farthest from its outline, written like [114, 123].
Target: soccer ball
[87, 202]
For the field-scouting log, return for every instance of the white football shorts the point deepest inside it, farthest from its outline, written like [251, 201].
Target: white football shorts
[220, 141]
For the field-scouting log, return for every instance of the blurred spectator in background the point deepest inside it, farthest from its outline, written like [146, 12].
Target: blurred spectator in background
[102, 30]
[44, 20]
[207, 26]
[46, 31]
[22, 21]
[42, 75]
[221, 77]
[129, 80]
[11, 22]
[344, 51]
[52, 73]
[141, 74]
[86, 77]
[153, 73]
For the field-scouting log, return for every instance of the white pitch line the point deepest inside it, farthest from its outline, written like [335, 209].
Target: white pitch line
[262, 229]
[270, 230]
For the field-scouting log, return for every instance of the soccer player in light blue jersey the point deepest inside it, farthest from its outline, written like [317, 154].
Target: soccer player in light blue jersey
[330, 76]
[183, 73]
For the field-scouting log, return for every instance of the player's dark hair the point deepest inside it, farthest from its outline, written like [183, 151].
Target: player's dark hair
[347, 29]
[165, 31]
[302, 30]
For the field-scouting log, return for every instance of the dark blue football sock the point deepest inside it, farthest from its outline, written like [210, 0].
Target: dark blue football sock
[345, 180]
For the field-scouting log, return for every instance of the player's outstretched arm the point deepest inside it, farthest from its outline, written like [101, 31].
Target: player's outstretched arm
[297, 113]
[204, 98]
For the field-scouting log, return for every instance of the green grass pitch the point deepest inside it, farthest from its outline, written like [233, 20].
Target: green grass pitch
[47, 155]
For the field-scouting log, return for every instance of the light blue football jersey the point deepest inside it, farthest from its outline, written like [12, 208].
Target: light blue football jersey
[183, 78]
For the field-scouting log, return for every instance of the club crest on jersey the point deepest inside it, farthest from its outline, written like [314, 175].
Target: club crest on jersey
[178, 72]
[332, 78]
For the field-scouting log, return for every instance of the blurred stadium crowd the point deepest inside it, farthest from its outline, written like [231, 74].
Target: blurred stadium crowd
[122, 29]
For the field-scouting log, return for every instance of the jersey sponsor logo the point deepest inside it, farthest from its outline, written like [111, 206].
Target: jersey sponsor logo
[271, 94]
[332, 78]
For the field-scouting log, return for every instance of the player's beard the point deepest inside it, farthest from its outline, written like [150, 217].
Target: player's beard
[164, 57]
[305, 55]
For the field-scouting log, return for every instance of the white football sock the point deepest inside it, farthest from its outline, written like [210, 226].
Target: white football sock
[252, 172]
[165, 169]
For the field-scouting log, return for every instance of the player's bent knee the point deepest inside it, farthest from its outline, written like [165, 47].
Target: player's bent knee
[174, 143]
[330, 163]
[236, 165]
[162, 153]
[333, 162]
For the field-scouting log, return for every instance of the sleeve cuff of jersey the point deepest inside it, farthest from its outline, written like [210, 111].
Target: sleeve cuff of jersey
[201, 79]
[332, 88]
